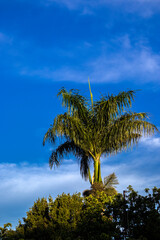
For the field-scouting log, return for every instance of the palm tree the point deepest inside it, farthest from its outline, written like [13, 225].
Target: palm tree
[90, 130]
[109, 186]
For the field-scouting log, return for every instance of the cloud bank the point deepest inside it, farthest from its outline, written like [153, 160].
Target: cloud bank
[22, 184]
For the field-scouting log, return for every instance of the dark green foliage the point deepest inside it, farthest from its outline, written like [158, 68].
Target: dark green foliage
[94, 217]
[65, 214]
[96, 221]
[37, 222]
[138, 215]
[6, 233]
[53, 219]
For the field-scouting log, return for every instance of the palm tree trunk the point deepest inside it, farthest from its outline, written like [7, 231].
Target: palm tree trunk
[97, 171]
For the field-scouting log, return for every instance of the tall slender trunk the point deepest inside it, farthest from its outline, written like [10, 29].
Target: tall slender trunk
[97, 170]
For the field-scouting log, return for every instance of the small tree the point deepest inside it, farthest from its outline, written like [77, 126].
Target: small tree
[6, 233]
[108, 186]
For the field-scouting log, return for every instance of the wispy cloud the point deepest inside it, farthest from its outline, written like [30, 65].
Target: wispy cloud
[132, 173]
[128, 175]
[151, 142]
[138, 65]
[145, 8]
[4, 38]
[62, 74]
[132, 63]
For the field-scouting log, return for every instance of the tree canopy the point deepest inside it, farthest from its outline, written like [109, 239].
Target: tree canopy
[100, 217]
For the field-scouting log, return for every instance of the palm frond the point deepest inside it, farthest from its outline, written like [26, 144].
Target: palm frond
[110, 107]
[61, 151]
[110, 181]
[50, 136]
[84, 165]
[70, 147]
[125, 132]
[67, 126]
[133, 123]
[74, 102]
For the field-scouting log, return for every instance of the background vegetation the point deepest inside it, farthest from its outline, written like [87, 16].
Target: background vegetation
[97, 216]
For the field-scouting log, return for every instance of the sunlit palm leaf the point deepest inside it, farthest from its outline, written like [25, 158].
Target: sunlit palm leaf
[110, 181]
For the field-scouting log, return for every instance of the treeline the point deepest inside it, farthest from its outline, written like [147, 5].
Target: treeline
[96, 217]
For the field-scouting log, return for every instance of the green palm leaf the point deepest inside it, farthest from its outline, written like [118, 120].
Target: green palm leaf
[110, 181]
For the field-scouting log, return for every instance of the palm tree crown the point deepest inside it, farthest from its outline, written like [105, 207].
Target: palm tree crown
[106, 126]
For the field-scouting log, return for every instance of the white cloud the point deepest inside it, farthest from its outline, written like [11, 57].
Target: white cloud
[140, 65]
[22, 185]
[131, 63]
[62, 74]
[132, 173]
[153, 142]
[32, 181]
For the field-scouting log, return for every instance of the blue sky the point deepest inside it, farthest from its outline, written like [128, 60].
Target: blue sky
[48, 44]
